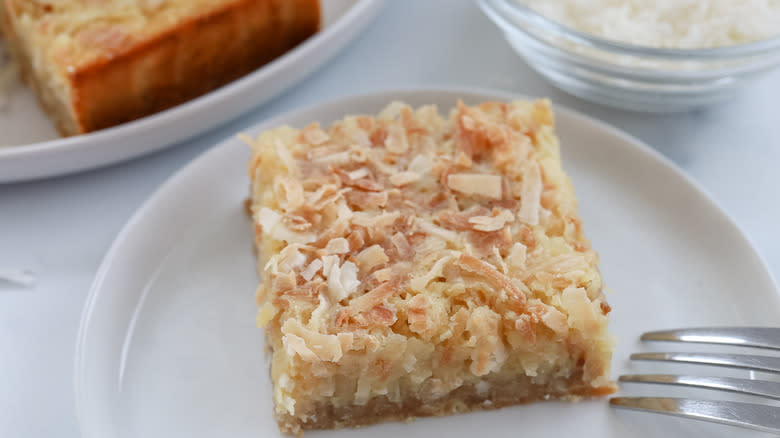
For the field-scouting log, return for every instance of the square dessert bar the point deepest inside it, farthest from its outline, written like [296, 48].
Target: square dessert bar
[98, 63]
[416, 265]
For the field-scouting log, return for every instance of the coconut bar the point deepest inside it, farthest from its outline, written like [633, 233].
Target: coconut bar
[416, 265]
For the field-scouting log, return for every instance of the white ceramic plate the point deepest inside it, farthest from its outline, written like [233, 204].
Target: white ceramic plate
[31, 148]
[168, 345]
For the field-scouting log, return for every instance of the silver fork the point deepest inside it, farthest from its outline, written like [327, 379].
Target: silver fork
[750, 415]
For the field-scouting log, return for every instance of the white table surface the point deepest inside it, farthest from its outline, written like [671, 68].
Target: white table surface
[61, 228]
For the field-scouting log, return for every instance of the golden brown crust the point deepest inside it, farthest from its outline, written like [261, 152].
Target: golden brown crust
[498, 394]
[198, 54]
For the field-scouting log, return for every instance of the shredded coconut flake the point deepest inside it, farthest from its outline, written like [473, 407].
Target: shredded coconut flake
[372, 256]
[295, 344]
[391, 111]
[267, 219]
[492, 223]
[318, 315]
[349, 277]
[420, 164]
[291, 258]
[403, 178]
[488, 186]
[324, 347]
[428, 227]
[530, 196]
[342, 280]
[314, 135]
[285, 156]
[373, 298]
[675, 24]
[337, 158]
[358, 174]
[338, 245]
[396, 140]
[292, 192]
[419, 283]
[311, 270]
[517, 256]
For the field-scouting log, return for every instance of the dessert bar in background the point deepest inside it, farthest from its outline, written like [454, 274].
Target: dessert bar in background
[97, 64]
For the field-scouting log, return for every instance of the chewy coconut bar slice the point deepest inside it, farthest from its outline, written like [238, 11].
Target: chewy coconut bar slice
[416, 265]
[94, 64]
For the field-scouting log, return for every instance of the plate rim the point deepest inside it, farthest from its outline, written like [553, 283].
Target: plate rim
[353, 21]
[486, 93]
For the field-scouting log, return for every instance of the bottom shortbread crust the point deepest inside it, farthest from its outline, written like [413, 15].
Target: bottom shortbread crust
[498, 394]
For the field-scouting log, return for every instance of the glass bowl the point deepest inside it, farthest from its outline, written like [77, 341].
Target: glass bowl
[625, 75]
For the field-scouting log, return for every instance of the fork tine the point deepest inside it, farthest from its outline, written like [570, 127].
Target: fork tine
[767, 364]
[760, 337]
[761, 388]
[759, 417]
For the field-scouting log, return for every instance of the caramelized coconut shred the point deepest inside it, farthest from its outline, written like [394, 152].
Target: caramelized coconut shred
[424, 243]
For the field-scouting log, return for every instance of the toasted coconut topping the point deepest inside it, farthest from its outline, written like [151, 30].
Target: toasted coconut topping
[530, 195]
[260, 294]
[463, 160]
[286, 157]
[338, 245]
[320, 314]
[383, 275]
[369, 200]
[381, 315]
[491, 274]
[342, 280]
[373, 297]
[419, 283]
[358, 174]
[517, 256]
[291, 192]
[429, 228]
[580, 309]
[267, 219]
[375, 222]
[324, 347]
[396, 142]
[555, 319]
[295, 344]
[402, 247]
[489, 353]
[417, 314]
[420, 164]
[315, 136]
[312, 269]
[403, 178]
[291, 259]
[265, 314]
[488, 186]
[492, 223]
[370, 257]
[413, 239]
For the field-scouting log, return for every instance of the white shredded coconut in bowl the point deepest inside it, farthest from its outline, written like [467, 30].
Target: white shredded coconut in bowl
[672, 24]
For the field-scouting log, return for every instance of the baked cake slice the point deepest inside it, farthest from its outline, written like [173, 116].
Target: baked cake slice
[416, 265]
[98, 63]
